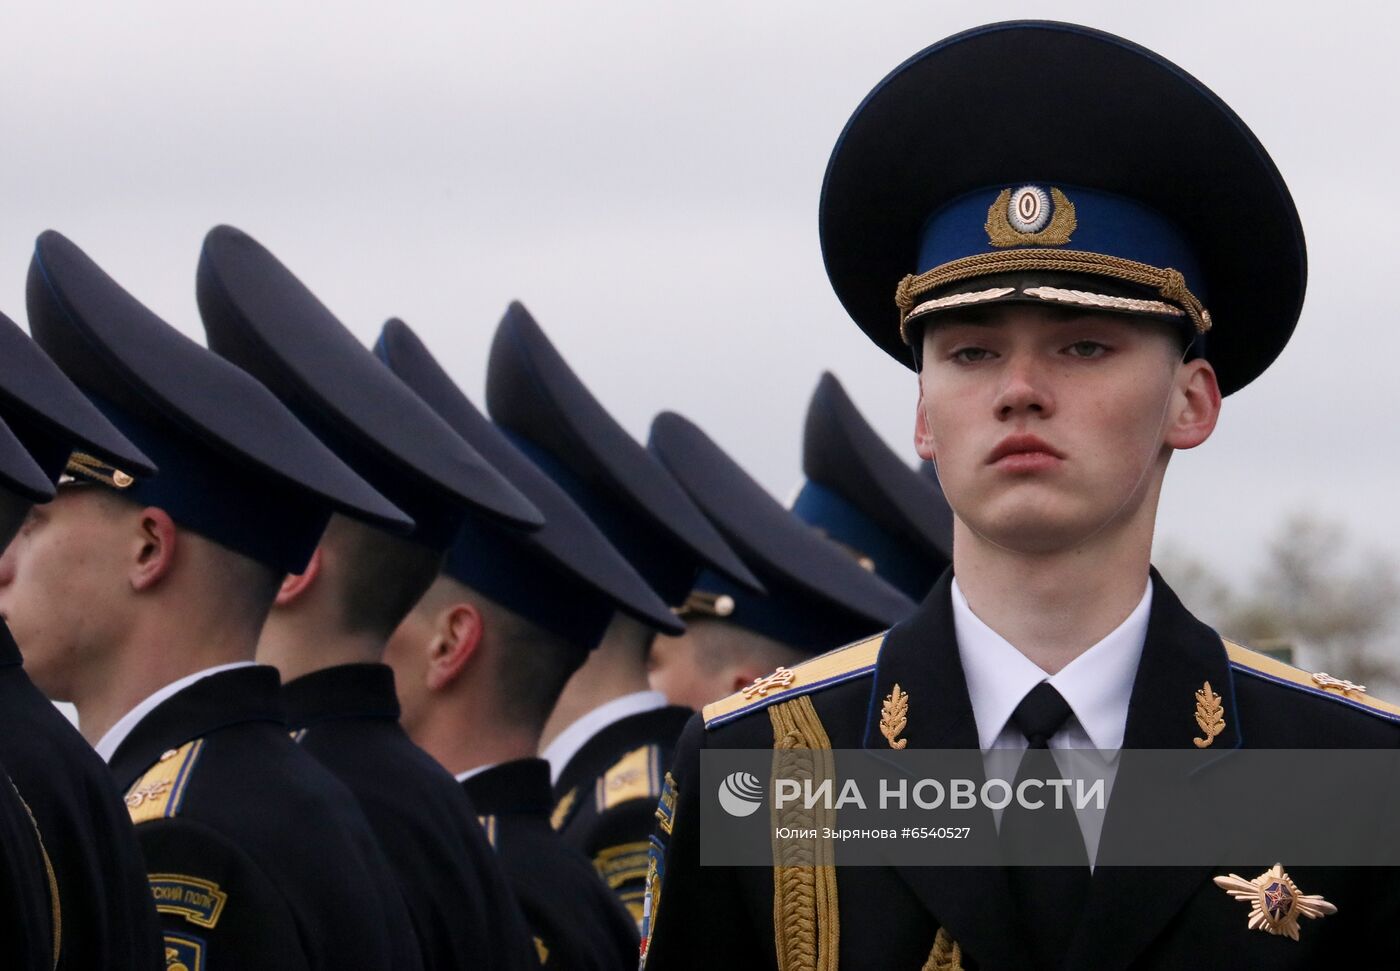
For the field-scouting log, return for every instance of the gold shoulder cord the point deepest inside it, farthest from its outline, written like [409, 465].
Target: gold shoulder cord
[946, 954]
[55, 906]
[806, 919]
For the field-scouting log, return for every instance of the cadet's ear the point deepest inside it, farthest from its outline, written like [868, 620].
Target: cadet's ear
[457, 636]
[154, 548]
[295, 584]
[1197, 405]
[923, 438]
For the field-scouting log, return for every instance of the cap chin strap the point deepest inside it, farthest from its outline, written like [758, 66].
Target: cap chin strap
[1128, 498]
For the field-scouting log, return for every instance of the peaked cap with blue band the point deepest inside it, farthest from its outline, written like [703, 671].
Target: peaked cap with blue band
[817, 596]
[532, 394]
[859, 494]
[235, 465]
[566, 578]
[48, 418]
[1053, 163]
[262, 318]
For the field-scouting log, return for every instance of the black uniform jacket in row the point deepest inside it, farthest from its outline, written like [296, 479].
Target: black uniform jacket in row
[257, 856]
[1135, 917]
[30, 916]
[577, 924]
[605, 797]
[107, 918]
[462, 909]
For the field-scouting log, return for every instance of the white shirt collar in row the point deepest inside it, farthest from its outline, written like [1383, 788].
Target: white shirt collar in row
[1097, 684]
[108, 744]
[568, 742]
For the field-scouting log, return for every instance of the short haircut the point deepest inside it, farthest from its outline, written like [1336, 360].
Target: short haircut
[232, 575]
[720, 644]
[236, 580]
[531, 665]
[381, 576]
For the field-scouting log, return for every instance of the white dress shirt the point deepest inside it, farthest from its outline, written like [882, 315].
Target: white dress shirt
[108, 744]
[567, 743]
[464, 776]
[1097, 686]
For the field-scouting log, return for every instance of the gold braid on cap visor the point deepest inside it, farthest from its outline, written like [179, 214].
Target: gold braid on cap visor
[84, 467]
[1167, 282]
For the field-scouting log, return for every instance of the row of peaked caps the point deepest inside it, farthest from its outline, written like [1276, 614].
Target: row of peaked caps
[285, 419]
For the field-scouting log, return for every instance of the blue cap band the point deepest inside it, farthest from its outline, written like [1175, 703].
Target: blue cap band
[894, 561]
[1104, 223]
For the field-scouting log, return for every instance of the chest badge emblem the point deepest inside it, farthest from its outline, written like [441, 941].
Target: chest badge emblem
[1275, 901]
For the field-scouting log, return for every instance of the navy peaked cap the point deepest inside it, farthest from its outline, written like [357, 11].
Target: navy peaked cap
[566, 577]
[1052, 163]
[49, 419]
[235, 465]
[817, 597]
[861, 495]
[534, 395]
[262, 318]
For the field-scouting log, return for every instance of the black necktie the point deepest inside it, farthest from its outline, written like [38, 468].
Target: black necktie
[1048, 899]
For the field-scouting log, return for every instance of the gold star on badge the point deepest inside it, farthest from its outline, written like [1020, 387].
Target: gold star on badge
[1275, 901]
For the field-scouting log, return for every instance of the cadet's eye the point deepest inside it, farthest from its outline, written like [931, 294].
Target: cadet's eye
[1086, 349]
[969, 355]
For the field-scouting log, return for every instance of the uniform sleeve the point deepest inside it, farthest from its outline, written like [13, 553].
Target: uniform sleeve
[216, 907]
[30, 913]
[692, 916]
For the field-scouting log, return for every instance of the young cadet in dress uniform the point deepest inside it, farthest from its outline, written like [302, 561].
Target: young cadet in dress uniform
[608, 725]
[863, 497]
[327, 631]
[32, 934]
[817, 597]
[141, 600]
[480, 663]
[1131, 254]
[108, 918]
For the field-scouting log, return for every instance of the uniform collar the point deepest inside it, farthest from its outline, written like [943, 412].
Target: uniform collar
[659, 727]
[566, 745]
[9, 650]
[206, 702]
[108, 744]
[519, 787]
[1097, 684]
[342, 691]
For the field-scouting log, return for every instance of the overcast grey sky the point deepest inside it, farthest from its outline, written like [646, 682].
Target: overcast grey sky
[644, 176]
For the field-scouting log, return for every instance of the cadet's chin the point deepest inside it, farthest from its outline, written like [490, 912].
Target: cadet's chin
[1033, 528]
[42, 668]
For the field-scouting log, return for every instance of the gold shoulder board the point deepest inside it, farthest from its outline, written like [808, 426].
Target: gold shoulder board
[563, 808]
[159, 793]
[1338, 690]
[833, 667]
[637, 775]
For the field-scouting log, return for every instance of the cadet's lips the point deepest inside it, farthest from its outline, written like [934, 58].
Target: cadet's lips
[1024, 453]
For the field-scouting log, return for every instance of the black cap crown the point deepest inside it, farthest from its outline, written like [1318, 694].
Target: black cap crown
[817, 597]
[262, 318]
[532, 394]
[566, 577]
[235, 464]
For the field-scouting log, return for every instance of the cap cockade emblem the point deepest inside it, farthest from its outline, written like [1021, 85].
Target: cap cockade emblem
[1275, 901]
[1030, 216]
